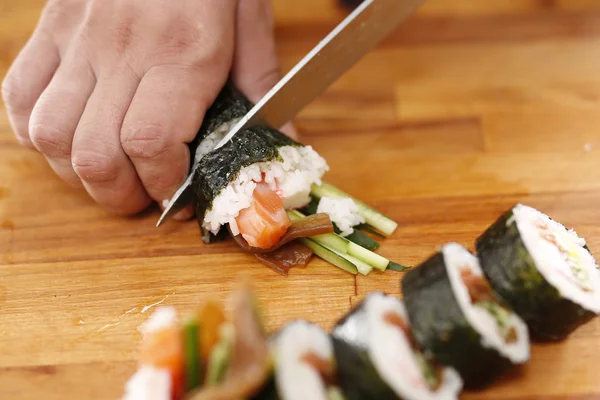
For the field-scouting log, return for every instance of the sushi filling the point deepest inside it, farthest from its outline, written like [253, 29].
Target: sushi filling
[560, 256]
[392, 349]
[304, 363]
[498, 326]
[290, 177]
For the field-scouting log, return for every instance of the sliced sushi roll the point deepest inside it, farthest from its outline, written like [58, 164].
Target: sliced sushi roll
[543, 270]
[304, 365]
[378, 358]
[456, 316]
[205, 356]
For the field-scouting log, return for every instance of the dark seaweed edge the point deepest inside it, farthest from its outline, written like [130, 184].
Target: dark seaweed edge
[358, 377]
[220, 167]
[441, 328]
[513, 275]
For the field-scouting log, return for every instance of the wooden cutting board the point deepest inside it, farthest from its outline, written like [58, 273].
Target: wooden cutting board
[470, 107]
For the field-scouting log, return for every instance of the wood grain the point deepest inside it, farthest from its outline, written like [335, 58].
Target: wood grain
[470, 107]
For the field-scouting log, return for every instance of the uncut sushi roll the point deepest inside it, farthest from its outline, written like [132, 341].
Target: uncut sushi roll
[378, 358]
[544, 271]
[246, 185]
[456, 316]
[304, 365]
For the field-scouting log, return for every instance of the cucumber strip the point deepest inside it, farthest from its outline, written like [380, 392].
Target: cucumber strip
[219, 357]
[334, 242]
[330, 256]
[357, 236]
[191, 353]
[397, 267]
[373, 259]
[335, 393]
[373, 217]
[342, 247]
[312, 207]
[362, 240]
[362, 267]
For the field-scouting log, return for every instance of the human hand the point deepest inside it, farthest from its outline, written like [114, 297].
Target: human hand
[111, 91]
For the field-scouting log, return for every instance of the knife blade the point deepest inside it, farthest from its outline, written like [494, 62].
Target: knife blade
[347, 43]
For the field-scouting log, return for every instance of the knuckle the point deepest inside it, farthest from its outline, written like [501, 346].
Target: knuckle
[267, 79]
[51, 141]
[145, 142]
[16, 98]
[95, 167]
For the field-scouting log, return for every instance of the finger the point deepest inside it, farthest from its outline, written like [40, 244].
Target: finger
[256, 66]
[98, 159]
[25, 81]
[57, 112]
[165, 115]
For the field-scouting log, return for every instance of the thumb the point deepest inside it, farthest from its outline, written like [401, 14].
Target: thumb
[255, 65]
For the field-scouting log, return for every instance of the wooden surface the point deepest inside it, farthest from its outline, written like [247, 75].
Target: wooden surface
[468, 108]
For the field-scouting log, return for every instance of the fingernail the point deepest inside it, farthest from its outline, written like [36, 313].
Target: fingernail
[185, 214]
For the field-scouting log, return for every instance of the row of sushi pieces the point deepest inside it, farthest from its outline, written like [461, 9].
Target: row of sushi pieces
[266, 191]
[463, 321]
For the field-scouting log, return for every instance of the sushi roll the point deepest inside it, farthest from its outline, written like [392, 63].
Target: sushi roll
[304, 365]
[202, 357]
[378, 358]
[456, 316]
[247, 185]
[543, 270]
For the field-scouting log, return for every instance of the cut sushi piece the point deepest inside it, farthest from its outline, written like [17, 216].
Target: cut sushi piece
[377, 357]
[246, 366]
[456, 316]
[206, 357]
[305, 367]
[161, 371]
[544, 271]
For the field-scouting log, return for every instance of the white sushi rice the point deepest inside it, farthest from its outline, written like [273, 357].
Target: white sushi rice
[296, 379]
[559, 256]
[163, 317]
[390, 351]
[292, 177]
[148, 383]
[211, 141]
[343, 212]
[456, 258]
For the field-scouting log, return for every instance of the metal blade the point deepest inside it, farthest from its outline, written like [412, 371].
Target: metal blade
[355, 36]
[362, 30]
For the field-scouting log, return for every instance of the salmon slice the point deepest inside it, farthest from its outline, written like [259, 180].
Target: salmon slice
[164, 349]
[265, 222]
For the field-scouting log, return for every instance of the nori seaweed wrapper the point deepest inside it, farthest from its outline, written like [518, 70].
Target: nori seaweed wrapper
[357, 376]
[440, 327]
[513, 275]
[230, 104]
[217, 169]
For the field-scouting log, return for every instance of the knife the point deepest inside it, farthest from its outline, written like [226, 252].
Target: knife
[355, 36]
